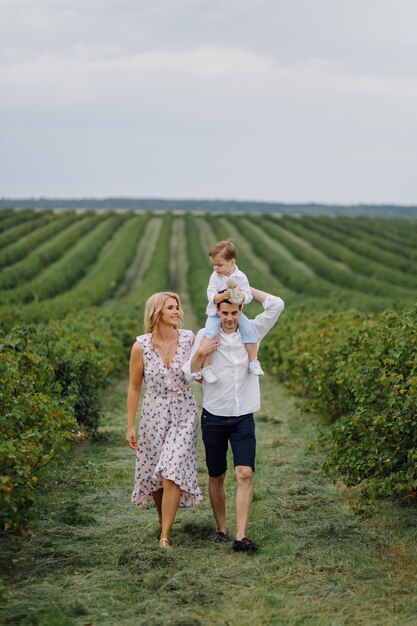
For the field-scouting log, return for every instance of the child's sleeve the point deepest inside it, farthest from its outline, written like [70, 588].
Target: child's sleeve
[212, 288]
[244, 287]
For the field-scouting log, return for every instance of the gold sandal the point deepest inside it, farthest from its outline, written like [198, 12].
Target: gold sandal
[164, 543]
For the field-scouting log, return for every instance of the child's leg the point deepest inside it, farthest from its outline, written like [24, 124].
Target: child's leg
[249, 336]
[212, 327]
[252, 350]
[250, 340]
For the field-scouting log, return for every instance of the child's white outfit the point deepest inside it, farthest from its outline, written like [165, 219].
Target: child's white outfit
[217, 284]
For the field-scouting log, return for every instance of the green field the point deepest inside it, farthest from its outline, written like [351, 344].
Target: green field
[74, 551]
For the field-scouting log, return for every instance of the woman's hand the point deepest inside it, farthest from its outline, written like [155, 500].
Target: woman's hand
[131, 438]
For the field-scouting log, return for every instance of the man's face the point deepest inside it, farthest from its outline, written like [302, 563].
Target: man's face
[229, 316]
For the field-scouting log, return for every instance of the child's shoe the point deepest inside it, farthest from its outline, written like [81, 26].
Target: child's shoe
[255, 368]
[208, 374]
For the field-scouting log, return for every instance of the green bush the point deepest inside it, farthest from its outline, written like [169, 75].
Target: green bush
[50, 380]
[35, 419]
[361, 372]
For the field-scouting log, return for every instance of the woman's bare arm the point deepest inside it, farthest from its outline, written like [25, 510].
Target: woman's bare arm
[133, 395]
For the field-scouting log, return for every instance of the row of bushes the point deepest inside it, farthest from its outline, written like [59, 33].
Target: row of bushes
[10, 219]
[99, 283]
[4, 215]
[399, 236]
[19, 225]
[41, 256]
[26, 244]
[381, 233]
[325, 268]
[386, 266]
[361, 372]
[199, 269]
[61, 275]
[281, 265]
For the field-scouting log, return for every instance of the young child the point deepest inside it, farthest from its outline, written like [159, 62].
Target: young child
[223, 258]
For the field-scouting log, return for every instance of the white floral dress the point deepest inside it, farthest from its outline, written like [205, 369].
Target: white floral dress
[167, 438]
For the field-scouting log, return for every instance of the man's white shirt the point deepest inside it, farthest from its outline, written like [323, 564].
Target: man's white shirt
[236, 391]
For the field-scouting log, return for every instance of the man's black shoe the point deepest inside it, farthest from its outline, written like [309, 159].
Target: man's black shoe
[220, 537]
[245, 545]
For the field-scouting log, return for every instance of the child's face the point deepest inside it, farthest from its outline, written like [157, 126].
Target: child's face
[221, 266]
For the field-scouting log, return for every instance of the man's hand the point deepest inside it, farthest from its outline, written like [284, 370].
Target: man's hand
[208, 346]
[259, 295]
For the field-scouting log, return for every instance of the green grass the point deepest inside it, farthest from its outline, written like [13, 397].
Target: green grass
[94, 559]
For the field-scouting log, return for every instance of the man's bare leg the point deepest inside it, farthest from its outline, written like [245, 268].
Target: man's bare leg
[244, 497]
[218, 501]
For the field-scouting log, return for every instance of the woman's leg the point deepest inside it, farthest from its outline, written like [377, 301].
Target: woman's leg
[157, 497]
[170, 503]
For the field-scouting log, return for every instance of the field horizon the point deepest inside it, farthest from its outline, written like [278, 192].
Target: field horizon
[204, 205]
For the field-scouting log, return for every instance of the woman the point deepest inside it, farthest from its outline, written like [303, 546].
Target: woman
[166, 457]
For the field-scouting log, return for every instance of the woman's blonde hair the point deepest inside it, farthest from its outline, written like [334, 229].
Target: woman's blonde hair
[153, 309]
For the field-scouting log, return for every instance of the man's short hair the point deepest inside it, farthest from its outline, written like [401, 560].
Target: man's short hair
[225, 249]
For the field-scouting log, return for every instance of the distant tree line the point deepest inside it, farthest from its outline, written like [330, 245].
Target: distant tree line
[211, 206]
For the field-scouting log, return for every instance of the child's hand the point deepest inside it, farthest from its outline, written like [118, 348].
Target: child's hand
[220, 297]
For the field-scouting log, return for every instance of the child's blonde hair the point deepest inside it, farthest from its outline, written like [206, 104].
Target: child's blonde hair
[225, 249]
[153, 309]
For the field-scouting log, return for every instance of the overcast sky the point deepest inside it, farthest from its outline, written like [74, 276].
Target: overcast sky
[281, 100]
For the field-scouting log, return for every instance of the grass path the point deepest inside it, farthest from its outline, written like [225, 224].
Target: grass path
[94, 559]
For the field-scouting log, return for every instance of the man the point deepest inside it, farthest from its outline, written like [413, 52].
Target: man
[228, 407]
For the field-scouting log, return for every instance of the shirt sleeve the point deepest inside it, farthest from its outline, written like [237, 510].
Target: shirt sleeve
[243, 284]
[273, 307]
[212, 288]
[186, 368]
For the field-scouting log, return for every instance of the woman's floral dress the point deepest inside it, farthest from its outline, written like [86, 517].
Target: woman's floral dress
[167, 438]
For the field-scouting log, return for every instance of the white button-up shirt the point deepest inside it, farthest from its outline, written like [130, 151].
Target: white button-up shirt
[236, 391]
[218, 283]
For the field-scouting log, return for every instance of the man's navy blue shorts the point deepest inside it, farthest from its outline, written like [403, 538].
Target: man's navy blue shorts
[218, 430]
